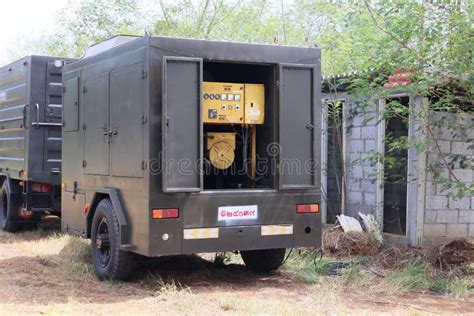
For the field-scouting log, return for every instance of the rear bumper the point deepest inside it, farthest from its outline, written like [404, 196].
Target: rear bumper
[200, 211]
[253, 237]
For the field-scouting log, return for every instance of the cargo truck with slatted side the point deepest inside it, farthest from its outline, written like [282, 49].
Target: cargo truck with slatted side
[177, 146]
[30, 140]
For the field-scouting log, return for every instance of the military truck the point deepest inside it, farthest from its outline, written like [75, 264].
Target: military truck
[178, 146]
[30, 140]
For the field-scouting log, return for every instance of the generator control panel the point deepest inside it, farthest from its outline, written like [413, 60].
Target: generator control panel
[233, 103]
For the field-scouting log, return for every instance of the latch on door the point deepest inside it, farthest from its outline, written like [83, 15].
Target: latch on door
[110, 132]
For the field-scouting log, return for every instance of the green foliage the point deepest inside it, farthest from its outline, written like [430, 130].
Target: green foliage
[413, 276]
[432, 40]
[92, 21]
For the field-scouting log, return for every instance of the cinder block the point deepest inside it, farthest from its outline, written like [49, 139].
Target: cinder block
[434, 230]
[355, 133]
[466, 216]
[444, 146]
[356, 145]
[369, 172]
[443, 172]
[464, 175]
[447, 216]
[353, 209]
[356, 172]
[368, 186]
[442, 191]
[355, 197]
[430, 217]
[461, 148]
[358, 119]
[354, 184]
[369, 132]
[457, 230]
[436, 202]
[438, 116]
[370, 144]
[430, 188]
[364, 119]
[461, 203]
[369, 198]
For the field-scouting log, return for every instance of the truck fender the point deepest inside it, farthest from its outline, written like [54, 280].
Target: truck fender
[13, 186]
[114, 197]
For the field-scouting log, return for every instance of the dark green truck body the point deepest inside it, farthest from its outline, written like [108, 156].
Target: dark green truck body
[133, 112]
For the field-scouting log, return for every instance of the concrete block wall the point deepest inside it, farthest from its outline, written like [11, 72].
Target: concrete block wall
[361, 139]
[447, 217]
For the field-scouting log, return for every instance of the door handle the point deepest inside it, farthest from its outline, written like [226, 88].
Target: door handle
[309, 126]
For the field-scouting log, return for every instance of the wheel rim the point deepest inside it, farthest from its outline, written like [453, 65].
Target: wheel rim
[102, 242]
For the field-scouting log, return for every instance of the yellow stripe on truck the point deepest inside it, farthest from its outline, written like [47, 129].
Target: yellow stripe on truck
[201, 233]
[270, 230]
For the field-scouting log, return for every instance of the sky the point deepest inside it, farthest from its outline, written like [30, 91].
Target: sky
[25, 21]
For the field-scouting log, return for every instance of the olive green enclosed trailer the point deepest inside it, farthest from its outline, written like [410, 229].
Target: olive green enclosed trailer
[136, 171]
[30, 140]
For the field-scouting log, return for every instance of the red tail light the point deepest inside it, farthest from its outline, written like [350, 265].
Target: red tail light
[165, 213]
[46, 187]
[307, 208]
[42, 187]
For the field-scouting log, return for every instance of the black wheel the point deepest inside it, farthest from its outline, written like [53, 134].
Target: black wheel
[263, 261]
[110, 262]
[8, 210]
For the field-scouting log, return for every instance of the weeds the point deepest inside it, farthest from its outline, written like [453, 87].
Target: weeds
[413, 276]
[76, 255]
[306, 266]
[457, 286]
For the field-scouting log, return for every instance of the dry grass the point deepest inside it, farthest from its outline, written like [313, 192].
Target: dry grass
[50, 273]
[340, 244]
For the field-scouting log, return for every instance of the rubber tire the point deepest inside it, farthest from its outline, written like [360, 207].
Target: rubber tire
[263, 261]
[8, 210]
[121, 262]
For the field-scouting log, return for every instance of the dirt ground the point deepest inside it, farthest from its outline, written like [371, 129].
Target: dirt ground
[47, 272]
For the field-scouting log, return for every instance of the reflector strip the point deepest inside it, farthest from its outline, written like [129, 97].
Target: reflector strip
[270, 230]
[201, 233]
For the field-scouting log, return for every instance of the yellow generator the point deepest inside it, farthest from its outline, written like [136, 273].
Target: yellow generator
[231, 109]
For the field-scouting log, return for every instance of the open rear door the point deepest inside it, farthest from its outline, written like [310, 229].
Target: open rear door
[182, 128]
[298, 128]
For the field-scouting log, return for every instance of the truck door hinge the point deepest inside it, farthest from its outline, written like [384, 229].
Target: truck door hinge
[144, 165]
[84, 89]
[144, 74]
[144, 119]
[84, 126]
[84, 163]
